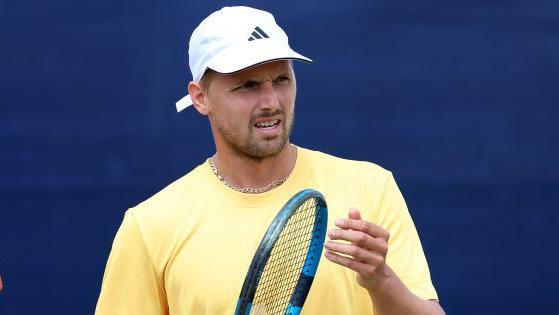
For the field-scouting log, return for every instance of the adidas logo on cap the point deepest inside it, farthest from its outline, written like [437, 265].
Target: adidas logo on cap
[258, 34]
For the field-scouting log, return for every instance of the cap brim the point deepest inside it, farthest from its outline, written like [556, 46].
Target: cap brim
[183, 103]
[243, 57]
[257, 52]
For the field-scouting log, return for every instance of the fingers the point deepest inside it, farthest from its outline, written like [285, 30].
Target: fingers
[365, 251]
[356, 252]
[352, 264]
[363, 226]
[360, 239]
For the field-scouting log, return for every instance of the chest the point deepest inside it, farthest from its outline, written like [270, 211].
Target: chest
[207, 272]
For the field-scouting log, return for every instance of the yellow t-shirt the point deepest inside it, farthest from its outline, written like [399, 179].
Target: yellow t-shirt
[187, 249]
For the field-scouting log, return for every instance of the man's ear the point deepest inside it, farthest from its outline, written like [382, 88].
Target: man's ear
[198, 97]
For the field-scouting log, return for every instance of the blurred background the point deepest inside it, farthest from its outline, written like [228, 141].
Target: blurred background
[458, 98]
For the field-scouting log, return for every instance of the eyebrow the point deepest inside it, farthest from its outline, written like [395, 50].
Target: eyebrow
[249, 79]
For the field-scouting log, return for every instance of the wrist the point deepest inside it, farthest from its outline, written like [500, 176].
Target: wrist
[383, 282]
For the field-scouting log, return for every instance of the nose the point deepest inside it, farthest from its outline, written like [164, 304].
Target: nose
[269, 97]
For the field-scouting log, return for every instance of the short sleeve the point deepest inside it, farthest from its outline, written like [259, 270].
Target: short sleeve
[130, 283]
[405, 254]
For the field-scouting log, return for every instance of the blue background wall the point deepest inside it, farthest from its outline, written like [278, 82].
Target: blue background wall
[458, 98]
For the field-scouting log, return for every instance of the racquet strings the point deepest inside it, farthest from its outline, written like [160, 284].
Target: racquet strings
[283, 268]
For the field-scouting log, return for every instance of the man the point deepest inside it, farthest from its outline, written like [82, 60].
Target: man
[186, 250]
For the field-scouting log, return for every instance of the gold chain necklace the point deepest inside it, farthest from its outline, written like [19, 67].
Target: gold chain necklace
[245, 190]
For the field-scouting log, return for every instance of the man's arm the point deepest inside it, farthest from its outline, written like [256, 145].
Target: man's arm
[130, 283]
[366, 254]
[393, 297]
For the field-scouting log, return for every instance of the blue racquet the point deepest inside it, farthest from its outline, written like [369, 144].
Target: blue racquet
[282, 270]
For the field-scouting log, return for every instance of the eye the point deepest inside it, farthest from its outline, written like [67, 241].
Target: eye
[282, 78]
[247, 85]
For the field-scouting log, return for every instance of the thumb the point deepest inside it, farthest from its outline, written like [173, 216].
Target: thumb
[354, 214]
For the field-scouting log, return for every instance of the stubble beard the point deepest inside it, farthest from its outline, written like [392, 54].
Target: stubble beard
[253, 149]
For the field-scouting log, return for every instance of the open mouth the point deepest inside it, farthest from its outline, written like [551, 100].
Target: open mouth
[268, 124]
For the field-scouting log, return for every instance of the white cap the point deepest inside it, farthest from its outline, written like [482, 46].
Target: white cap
[233, 39]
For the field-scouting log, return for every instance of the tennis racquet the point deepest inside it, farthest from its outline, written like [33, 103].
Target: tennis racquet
[282, 270]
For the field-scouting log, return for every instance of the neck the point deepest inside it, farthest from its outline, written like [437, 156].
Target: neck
[245, 172]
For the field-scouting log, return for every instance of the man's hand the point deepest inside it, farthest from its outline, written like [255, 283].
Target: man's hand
[366, 251]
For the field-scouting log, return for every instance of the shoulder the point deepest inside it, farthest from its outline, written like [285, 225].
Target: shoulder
[161, 210]
[159, 219]
[346, 168]
[348, 183]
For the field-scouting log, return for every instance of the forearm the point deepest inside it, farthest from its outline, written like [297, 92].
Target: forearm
[393, 297]
[366, 255]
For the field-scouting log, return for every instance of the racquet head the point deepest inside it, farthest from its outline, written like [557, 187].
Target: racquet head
[283, 267]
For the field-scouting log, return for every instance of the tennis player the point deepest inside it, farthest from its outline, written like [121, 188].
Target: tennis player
[186, 249]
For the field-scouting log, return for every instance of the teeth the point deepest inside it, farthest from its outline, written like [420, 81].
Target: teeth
[267, 123]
